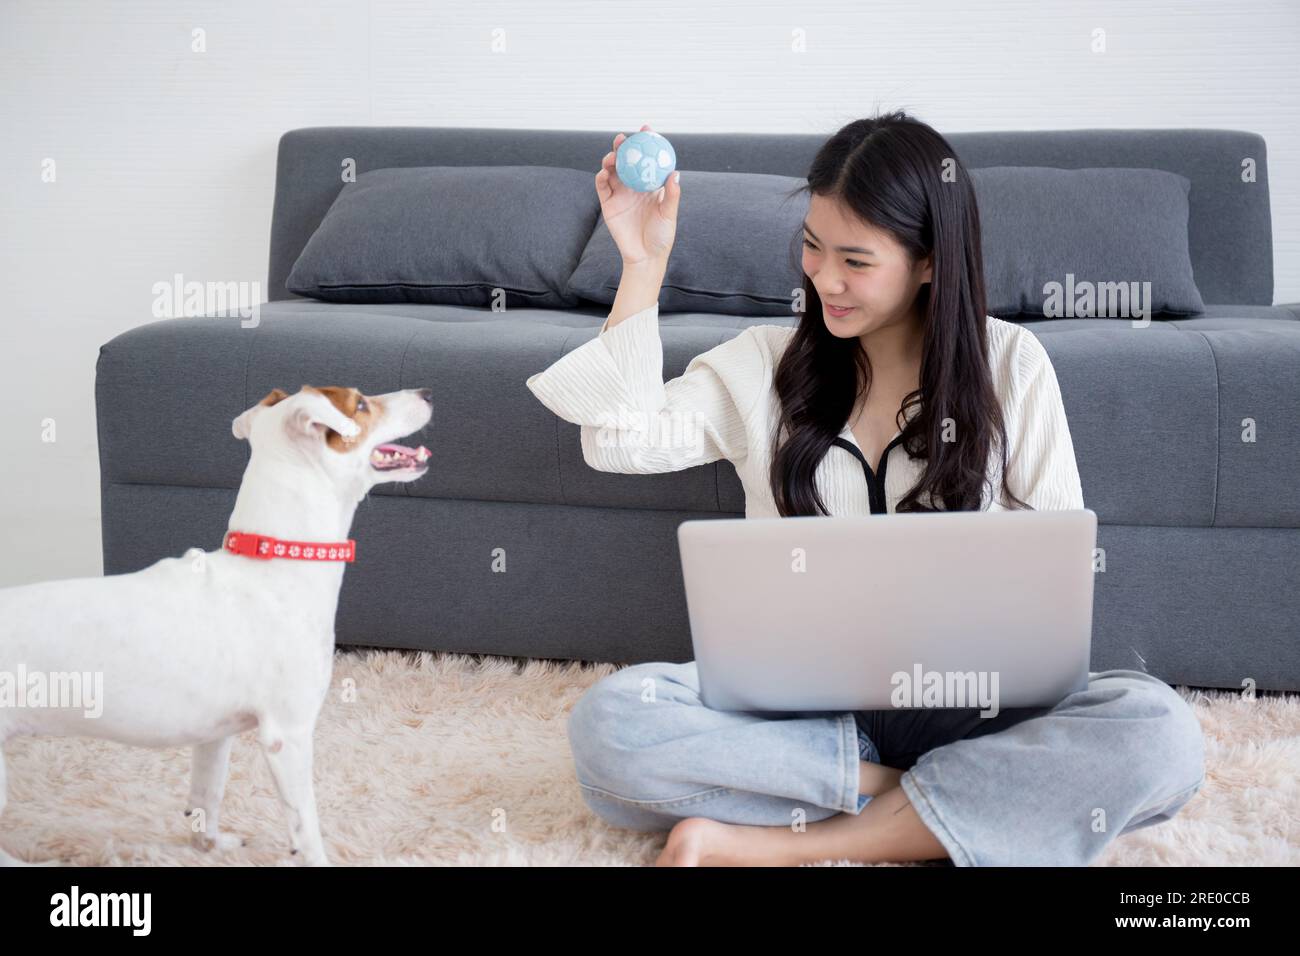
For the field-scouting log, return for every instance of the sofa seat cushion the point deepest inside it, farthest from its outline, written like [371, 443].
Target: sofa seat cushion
[1156, 414]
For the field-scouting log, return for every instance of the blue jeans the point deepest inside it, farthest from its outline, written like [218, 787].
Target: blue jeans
[1046, 786]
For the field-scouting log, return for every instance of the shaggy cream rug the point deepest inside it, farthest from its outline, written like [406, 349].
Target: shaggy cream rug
[452, 759]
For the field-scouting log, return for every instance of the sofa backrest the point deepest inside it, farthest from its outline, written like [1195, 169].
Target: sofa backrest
[1230, 228]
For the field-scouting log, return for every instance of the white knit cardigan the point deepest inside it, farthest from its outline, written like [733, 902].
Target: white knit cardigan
[724, 406]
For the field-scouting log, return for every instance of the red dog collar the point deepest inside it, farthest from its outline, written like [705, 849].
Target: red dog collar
[264, 546]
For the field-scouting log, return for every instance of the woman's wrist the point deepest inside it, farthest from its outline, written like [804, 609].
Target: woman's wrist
[638, 288]
[655, 264]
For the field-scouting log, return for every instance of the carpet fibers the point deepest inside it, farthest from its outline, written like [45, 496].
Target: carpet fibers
[452, 759]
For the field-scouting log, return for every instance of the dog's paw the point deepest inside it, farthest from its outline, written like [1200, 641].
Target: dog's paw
[207, 842]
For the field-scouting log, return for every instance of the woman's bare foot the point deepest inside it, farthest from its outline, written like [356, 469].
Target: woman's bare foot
[887, 830]
[699, 841]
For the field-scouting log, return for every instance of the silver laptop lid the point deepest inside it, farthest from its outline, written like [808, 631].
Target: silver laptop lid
[869, 613]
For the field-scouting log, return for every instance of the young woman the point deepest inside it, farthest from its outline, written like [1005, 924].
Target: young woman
[907, 398]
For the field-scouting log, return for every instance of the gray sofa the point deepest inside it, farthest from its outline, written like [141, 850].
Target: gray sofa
[1201, 531]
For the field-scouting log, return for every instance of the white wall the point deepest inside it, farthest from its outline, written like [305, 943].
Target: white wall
[165, 157]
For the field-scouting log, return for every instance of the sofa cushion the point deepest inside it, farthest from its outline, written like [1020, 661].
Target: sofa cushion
[1070, 242]
[1155, 414]
[735, 252]
[451, 235]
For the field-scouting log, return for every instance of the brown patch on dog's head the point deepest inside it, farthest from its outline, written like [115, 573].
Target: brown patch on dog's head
[362, 409]
[274, 397]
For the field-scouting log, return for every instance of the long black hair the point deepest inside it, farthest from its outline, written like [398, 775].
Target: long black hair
[899, 175]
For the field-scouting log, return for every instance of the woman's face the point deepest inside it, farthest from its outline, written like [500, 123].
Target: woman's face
[872, 274]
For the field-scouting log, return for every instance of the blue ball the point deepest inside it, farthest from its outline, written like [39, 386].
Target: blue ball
[644, 161]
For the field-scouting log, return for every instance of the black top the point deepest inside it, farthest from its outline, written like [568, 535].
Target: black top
[875, 482]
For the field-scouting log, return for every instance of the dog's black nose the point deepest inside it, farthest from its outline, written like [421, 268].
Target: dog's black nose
[426, 394]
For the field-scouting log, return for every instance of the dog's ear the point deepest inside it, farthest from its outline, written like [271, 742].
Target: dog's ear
[321, 410]
[242, 425]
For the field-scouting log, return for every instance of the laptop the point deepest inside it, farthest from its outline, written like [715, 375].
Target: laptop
[950, 609]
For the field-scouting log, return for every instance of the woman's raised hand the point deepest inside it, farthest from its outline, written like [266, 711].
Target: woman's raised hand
[642, 224]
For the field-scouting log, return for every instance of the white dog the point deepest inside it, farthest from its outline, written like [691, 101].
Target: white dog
[195, 649]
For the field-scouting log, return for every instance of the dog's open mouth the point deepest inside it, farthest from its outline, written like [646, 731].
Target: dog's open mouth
[399, 458]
